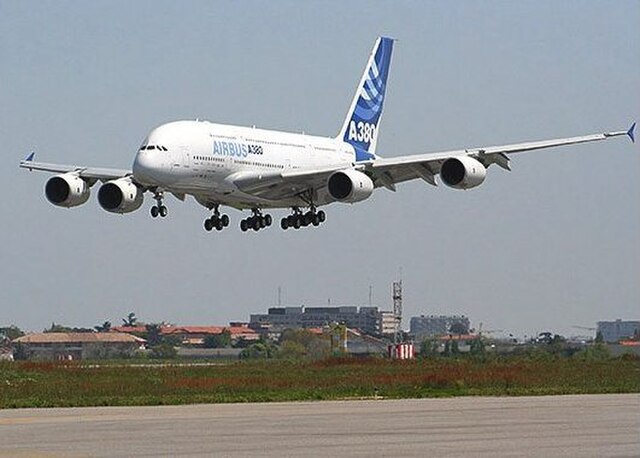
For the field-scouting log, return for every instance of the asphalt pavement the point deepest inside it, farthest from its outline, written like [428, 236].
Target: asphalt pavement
[585, 425]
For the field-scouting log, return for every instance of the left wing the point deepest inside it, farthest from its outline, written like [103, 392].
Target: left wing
[388, 172]
[276, 186]
[91, 174]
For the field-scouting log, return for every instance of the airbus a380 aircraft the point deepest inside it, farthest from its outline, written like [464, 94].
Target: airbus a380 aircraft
[256, 169]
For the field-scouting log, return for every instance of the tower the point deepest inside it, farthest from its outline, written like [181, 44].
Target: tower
[397, 309]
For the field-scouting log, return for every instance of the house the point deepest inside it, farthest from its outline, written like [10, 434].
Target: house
[78, 345]
[195, 335]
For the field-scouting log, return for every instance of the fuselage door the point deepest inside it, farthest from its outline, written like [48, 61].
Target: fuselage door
[181, 158]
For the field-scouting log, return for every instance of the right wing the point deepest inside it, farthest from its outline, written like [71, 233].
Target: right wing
[91, 174]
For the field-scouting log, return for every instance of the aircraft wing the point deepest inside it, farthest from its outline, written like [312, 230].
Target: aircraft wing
[92, 174]
[275, 186]
[388, 172]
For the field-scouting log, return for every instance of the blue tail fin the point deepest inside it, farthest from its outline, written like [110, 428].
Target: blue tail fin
[360, 128]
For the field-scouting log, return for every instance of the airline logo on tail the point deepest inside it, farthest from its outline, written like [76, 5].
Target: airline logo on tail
[361, 125]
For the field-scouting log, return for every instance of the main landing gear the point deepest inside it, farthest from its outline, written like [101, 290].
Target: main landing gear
[299, 219]
[216, 221]
[159, 208]
[256, 222]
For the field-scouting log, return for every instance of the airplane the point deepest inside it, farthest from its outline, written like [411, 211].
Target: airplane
[247, 168]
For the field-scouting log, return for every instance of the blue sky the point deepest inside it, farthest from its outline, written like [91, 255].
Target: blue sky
[550, 245]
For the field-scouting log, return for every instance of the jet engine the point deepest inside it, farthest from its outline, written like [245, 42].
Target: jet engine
[462, 172]
[67, 190]
[120, 196]
[349, 186]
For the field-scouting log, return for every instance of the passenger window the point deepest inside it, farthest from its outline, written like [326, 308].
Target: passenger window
[151, 147]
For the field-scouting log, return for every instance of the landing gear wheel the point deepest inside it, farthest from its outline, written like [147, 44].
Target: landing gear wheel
[284, 223]
[316, 220]
[321, 216]
[225, 220]
[163, 211]
[218, 225]
[244, 225]
[208, 225]
[268, 220]
[154, 212]
[297, 223]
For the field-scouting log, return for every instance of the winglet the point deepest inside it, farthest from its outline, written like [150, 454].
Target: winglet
[631, 133]
[33, 154]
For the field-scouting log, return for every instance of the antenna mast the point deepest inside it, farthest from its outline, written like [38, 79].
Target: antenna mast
[397, 309]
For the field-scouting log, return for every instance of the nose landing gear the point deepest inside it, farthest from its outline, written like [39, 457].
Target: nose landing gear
[159, 209]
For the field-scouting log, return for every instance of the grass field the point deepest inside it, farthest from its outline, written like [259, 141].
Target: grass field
[30, 384]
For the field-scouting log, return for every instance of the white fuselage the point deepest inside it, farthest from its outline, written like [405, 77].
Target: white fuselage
[204, 159]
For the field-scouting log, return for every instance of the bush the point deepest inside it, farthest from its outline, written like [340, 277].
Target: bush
[163, 351]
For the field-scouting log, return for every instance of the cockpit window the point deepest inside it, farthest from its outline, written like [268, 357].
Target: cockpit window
[151, 147]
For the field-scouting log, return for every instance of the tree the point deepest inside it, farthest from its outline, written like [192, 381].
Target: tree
[315, 346]
[153, 334]
[11, 332]
[292, 350]
[242, 343]
[163, 351]
[62, 328]
[596, 352]
[477, 347]
[222, 340]
[429, 348]
[104, 327]
[130, 320]
[447, 348]
[262, 349]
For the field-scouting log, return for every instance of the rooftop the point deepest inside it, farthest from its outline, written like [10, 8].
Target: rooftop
[79, 337]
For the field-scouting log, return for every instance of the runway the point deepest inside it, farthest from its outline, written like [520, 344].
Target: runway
[586, 425]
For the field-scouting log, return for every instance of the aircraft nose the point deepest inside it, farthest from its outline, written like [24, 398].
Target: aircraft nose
[144, 167]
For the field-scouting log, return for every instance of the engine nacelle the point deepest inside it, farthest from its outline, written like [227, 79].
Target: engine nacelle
[349, 186]
[120, 196]
[67, 190]
[462, 172]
